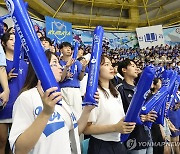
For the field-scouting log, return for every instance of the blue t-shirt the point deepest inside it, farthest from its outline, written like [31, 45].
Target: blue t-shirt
[74, 80]
[2, 57]
[15, 85]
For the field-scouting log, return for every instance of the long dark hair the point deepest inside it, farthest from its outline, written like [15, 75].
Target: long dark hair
[4, 39]
[31, 79]
[112, 89]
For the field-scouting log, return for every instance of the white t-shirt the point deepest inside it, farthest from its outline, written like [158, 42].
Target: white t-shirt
[109, 111]
[56, 136]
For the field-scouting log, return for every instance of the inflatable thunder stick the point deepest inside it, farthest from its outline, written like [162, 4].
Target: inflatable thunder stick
[151, 104]
[31, 43]
[173, 87]
[173, 96]
[162, 92]
[160, 114]
[94, 67]
[159, 110]
[176, 96]
[156, 103]
[74, 56]
[17, 52]
[168, 77]
[139, 97]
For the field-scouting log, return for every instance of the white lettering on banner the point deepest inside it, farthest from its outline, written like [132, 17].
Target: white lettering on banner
[91, 75]
[10, 6]
[150, 36]
[21, 36]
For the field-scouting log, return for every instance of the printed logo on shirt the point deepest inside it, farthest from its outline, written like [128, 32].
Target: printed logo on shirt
[55, 122]
[74, 120]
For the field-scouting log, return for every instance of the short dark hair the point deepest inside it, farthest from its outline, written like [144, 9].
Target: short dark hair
[124, 64]
[65, 44]
[44, 38]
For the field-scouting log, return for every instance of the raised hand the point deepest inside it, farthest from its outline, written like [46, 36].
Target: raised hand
[49, 98]
[90, 107]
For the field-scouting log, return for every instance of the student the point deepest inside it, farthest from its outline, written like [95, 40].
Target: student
[46, 42]
[40, 126]
[106, 121]
[4, 95]
[128, 69]
[70, 82]
[15, 82]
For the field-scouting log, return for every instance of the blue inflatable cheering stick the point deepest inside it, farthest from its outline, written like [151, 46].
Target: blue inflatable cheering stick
[159, 99]
[150, 105]
[163, 92]
[17, 52]
[176, 97]
[168, 77]
[139, 97]
[75, 53]
[31, 43]
[94, 67]
[172, 89]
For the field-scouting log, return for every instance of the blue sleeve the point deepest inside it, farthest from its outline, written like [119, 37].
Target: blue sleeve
[79, 66]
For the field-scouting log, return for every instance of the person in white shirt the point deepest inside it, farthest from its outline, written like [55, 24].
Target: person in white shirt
[106, 122]
[40, 125]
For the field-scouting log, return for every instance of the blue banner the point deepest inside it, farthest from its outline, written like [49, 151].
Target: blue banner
[58, 30]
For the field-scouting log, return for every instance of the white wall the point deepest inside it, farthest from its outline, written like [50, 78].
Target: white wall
[8, 21]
